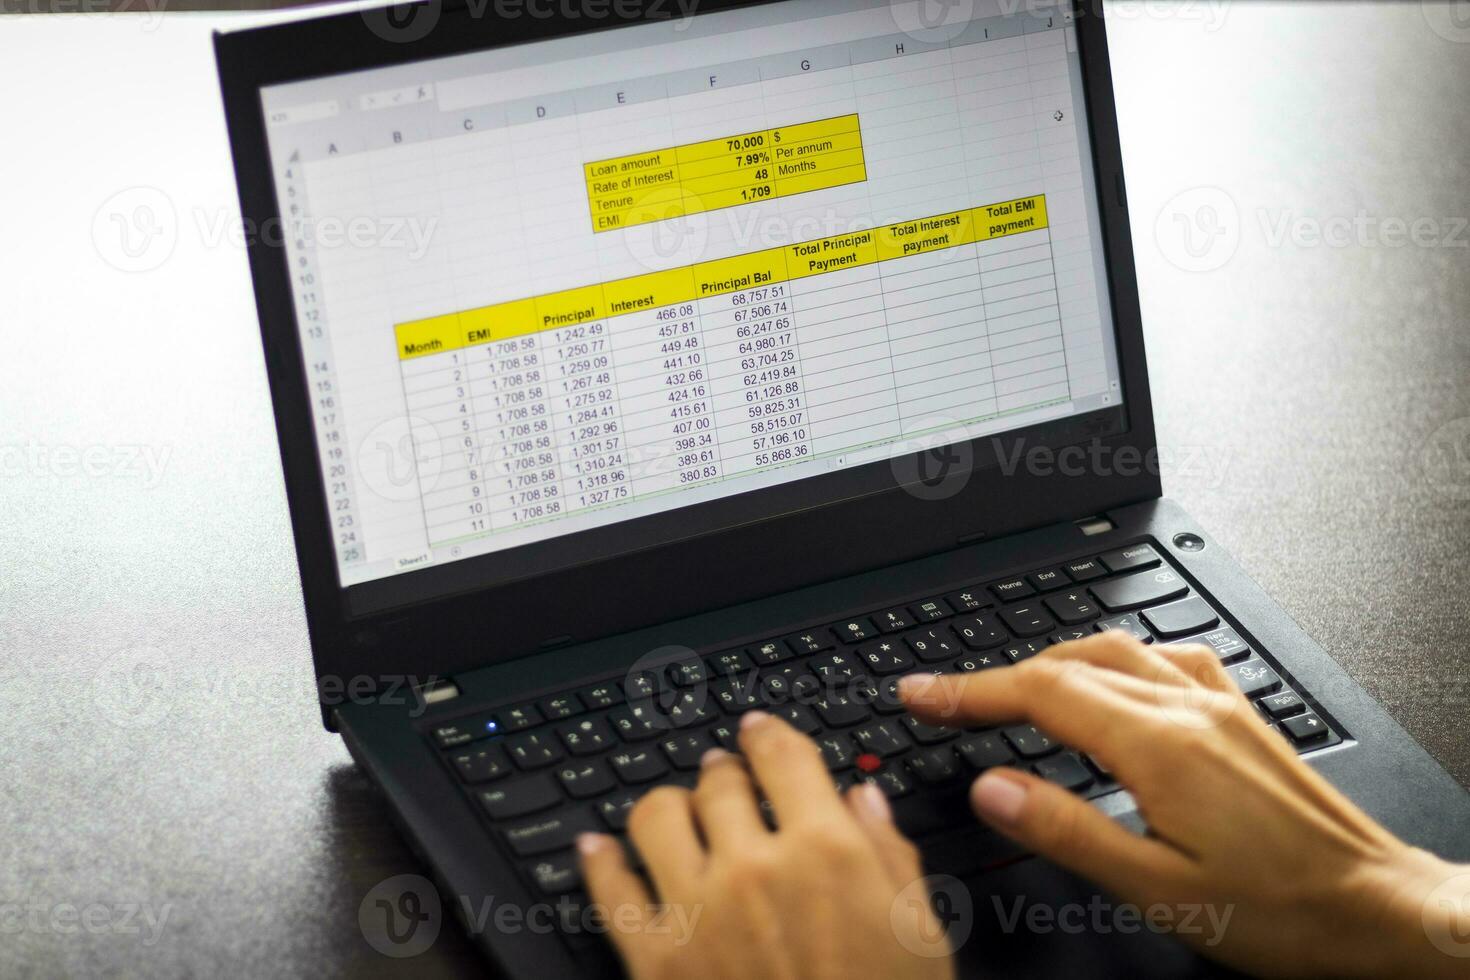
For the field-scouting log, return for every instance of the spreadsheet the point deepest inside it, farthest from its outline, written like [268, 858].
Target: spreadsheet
[593, 285]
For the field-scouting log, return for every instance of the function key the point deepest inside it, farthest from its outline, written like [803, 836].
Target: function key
[855, 630]
[1085, 569]
[561, 707]
[642, 684]
[602, 695]
[730, 662]
[893, 620]
[929, 610]
[688, 673]
[1012, 588]
[1049, 579]
[968, 600]
[814, 641]
[769, 652]
[1133, 556]
[516, 719]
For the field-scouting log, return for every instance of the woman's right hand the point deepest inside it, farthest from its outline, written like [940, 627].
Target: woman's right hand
[1312, 885]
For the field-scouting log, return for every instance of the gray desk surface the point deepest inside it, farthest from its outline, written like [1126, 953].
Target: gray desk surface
[1313, 404]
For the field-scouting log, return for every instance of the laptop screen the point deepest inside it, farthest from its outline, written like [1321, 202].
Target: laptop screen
[556, 286]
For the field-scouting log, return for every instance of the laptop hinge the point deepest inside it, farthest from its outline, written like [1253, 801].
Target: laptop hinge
[1096, 524]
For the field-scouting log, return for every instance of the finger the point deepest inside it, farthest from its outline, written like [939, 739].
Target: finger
[789, 768]
[1115, 650]
[1067, 829]
[1108, 715]
[898, 855]
[614, 886]
[1198, 663]
[725, 803]
[661, 826]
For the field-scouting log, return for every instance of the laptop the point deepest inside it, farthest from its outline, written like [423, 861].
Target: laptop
[637, 365]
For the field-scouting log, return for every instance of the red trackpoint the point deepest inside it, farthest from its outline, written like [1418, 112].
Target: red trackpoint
[868, 762]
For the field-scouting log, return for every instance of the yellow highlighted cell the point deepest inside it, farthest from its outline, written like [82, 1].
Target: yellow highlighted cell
[670, 287]
[726, 172]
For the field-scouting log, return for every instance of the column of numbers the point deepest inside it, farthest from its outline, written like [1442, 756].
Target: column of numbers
[522, 477]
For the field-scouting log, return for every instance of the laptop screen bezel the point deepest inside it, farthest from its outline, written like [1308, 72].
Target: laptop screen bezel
[652, 575]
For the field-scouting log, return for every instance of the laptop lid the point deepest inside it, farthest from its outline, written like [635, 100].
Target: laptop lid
[582, 320]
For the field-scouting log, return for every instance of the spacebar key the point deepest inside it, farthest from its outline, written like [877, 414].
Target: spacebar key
[1139, 589]
[549, 833]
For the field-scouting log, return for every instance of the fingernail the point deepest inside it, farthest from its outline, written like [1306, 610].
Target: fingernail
[914, 684]
[712, 756]
[590, 843]
[997, 798]
[873, 802]
[753, 718]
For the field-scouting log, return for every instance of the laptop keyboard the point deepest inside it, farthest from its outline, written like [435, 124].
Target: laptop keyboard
[544, 771]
